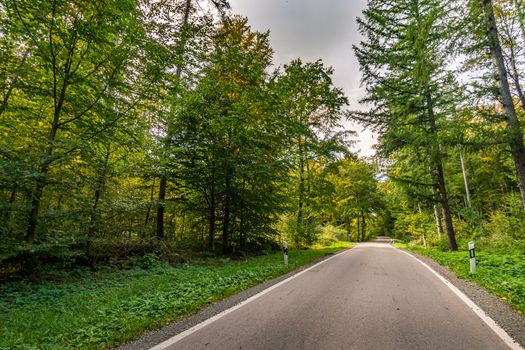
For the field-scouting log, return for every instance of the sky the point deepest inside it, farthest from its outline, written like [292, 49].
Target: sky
[312, 30]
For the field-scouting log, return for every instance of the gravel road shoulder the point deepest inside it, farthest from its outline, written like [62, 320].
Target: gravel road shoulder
[501, 312]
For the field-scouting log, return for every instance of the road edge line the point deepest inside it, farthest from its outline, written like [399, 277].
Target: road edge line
[178, 337]
[500, 332]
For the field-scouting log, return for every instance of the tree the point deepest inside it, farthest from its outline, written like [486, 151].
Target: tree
[185, 31]
[311, 106]
[411, 94]
[80, 50]
[355, 196]
[226, 141]
[488, 34]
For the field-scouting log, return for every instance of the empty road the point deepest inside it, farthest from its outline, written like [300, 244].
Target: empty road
[370, 297]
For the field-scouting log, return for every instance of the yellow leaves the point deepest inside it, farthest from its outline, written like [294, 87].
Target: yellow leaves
[38, 125]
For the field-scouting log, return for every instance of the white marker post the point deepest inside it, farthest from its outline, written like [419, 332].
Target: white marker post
[472, 257]
[285, 251]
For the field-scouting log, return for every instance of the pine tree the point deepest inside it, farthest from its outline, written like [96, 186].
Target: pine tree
[409, 91]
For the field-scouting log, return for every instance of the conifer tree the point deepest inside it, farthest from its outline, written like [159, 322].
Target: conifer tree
[409, 91]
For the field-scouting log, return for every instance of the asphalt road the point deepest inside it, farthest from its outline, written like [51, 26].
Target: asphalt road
[370, 297]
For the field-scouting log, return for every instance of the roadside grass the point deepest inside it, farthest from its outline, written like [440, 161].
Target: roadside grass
[501, 273]
[104, 310]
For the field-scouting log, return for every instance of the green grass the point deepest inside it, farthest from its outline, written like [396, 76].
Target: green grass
[104, 310]
[501, 273]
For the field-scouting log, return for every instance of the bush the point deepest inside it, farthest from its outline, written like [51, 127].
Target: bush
[505, 227]
[338, 233]
[300, 235]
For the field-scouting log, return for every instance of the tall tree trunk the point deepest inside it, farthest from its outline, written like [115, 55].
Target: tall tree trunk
[211, 216]
[423, 229]
[513, 125]
[438, 218]
[95, 216]
[363, 227]
[146, 222]
[449, 227]
[359, 227]
[59, 97]
[465, 180]
[440, 174]
[308, 182]
[515, 75]
[36, 194]
[520, 7]
[301, 187]
[161, 206]
[28, 259]
[242, 238]
[227, 210]
[182, 227]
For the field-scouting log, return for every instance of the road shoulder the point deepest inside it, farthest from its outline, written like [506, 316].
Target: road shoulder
[501, 312]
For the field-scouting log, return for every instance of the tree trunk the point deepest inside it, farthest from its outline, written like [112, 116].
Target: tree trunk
[161, 205]
[163, 179]
[242, 238]
[515, 75]
[513, 125]
[423, 229]
[363, 227]
[440, 174]
[520, 4]
[182, 227]
[227, 210]
[59, 96]
[301, 187]
[94, 217]
[449, 227]
[146, 222]
[358, 222]
[36, 194]
[438, 218]
[211, 217]
[465, 180]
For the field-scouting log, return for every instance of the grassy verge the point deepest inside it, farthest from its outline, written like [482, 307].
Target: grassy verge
[100, 311]
[501, 273]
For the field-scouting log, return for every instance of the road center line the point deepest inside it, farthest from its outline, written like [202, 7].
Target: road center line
[500, 332]
[220, 315]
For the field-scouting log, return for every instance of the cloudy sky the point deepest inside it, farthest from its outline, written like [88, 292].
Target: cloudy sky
[311, 30]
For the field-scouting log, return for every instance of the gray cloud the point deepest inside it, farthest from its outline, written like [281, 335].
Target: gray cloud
[311, 30]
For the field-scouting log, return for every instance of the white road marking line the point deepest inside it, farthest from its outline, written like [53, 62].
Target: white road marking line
[500, 332]
[220, 315]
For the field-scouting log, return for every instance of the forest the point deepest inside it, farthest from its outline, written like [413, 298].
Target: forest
[136, 127]
[154, 158]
